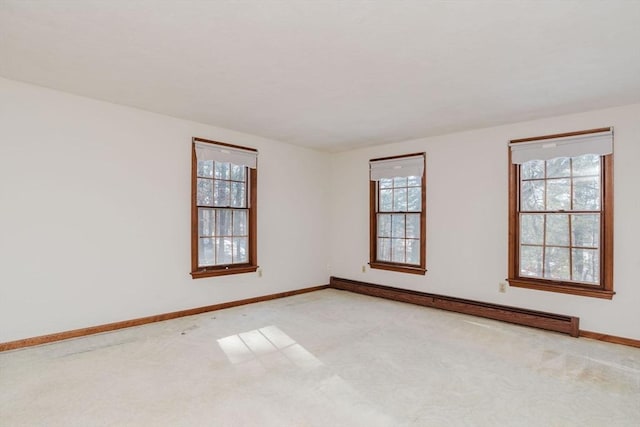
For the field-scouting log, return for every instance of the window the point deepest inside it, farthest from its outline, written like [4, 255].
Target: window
[561, 213]
[223, 209]
[397, 213]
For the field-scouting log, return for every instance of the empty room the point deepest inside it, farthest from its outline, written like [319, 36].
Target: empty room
[319, 213]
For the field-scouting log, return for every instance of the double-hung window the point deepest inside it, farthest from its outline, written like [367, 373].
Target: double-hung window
[561, 213]
[223, 209]
[397, 213]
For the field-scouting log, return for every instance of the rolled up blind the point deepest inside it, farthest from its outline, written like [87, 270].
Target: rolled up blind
[222, 153]
[600, 143]
[396, 168]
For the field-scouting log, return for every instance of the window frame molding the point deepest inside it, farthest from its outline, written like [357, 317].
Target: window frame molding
[373, 224]
[198, 272]
[605, 289]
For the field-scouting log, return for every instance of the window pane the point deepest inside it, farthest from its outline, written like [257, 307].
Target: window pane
[589, 164]
[399, 182]
[586, 194]
[386, 183]
[384, 225]
[531, 261]
[414, 181]
[559, 168]
[206, 222]
[400, 199]
[221, 170]
[556, 263]
[240, 253]
[531, 229]
[206, 254]
[413, 252]
[413, 226]
[586, 265]
[585, 230]
[205, 192]
[415, 199]
[238, 196]
[532, 169]
[397, 225]
[221, 193]
[205, 168]
[532, 196]
[237, 173]
[224, 224]
[386, 200]
[558, 194]
[397, 251]
[240, 223]
[557, 230]
[224, 249]
[384, 250]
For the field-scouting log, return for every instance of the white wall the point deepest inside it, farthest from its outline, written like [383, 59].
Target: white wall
[95, 211]
[467, 219]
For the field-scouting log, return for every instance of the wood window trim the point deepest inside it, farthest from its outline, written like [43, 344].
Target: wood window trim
[605, 290]
[373, 226]
[223, 270]
[401, 268]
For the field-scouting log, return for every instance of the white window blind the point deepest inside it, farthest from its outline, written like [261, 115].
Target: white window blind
[600, 143]
[396, 168]
[221, 153]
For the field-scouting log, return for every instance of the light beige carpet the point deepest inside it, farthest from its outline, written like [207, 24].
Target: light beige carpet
[328, 358]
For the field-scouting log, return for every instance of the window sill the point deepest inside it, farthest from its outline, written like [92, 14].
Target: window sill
[541, 285]
[223, 271]
[401, 268]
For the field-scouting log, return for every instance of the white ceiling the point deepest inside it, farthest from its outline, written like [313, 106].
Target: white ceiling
[331, 74]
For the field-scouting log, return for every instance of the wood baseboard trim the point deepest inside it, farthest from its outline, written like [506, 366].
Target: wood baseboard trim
[44, 339]
[610, 338]
[520, 316]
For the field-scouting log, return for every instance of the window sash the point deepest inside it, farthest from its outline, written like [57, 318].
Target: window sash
[223, 188]
[562, 242]
[398, 238]
[226, 240]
